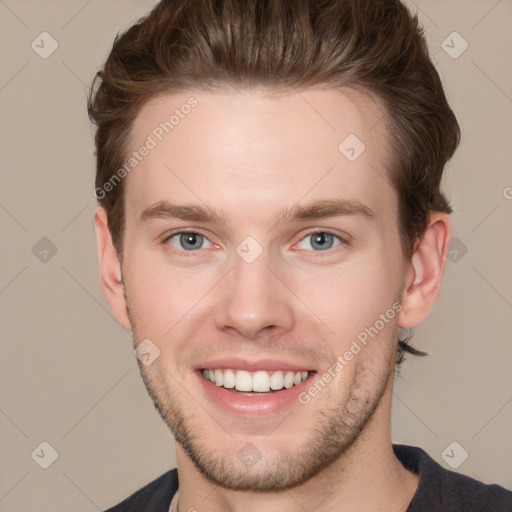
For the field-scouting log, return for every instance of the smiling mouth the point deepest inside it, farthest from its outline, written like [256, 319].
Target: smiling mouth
[255, 383]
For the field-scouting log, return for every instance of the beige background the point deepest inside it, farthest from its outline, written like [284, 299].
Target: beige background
[68, 374]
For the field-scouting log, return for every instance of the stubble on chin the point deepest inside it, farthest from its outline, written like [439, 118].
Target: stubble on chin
[333, 431]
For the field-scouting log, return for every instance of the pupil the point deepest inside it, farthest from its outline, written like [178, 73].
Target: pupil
[322, 240]
[189, 240]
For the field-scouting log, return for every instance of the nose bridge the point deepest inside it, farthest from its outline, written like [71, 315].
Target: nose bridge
[253, 299]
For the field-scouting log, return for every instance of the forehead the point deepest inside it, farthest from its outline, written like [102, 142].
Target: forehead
[260, 148]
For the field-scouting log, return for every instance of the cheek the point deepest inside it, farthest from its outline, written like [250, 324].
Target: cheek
[351, 298]
[162, 296]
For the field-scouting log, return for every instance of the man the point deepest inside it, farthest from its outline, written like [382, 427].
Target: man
[270, 221]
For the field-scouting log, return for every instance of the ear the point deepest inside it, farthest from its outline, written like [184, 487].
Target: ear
[110, 268]
[425, 272]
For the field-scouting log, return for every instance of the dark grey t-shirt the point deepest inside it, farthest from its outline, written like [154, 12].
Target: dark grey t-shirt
[439, 490]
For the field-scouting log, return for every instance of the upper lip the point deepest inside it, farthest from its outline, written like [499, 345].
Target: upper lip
[252, 366]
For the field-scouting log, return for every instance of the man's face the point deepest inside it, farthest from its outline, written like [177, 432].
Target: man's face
[269, 287]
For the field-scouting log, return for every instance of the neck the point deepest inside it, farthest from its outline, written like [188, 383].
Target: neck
[366, 478]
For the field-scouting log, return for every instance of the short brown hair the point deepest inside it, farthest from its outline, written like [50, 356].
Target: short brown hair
[373, 45]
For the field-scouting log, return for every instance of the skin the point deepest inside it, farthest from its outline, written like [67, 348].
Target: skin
[247, 154]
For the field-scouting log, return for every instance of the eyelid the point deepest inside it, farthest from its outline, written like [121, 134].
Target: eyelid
[184, 231]
[342, 239]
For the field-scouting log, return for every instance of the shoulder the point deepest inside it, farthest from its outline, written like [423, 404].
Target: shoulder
[442, 490]
[153, 497]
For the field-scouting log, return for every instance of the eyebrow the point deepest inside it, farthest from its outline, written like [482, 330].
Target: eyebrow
[326, 208]
[317, 210]
[196, 213]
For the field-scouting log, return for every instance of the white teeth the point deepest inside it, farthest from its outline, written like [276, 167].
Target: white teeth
[218, 377]
[243, 381]
[259, 382]
[277, 381]
[288, 380]
[229, 379]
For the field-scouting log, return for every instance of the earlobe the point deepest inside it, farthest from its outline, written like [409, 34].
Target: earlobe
[110, 269]
[425, 272]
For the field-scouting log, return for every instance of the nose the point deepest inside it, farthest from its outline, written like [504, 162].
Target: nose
[253, 301]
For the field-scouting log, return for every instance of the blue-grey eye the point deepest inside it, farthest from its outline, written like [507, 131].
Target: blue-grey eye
[188, 241]
[321, 241]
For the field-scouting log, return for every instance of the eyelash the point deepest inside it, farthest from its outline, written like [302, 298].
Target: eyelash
[342, 241]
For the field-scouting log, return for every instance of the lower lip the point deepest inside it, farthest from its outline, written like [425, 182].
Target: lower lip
[264, 404]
